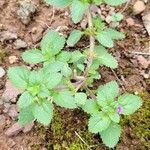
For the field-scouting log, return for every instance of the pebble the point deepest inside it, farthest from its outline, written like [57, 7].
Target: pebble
[26, 10]
[28, 127]
[13, 130]
[13, 112]
[12, 59]
[138, 7]
[2, 72]
[130, 21]
[20, 44]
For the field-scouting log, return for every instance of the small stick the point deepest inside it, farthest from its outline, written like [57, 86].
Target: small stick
[82, 140]
[140, 53]
[118, 80]
[126, 6]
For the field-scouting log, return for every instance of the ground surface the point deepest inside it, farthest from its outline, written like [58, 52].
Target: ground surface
[132, 75]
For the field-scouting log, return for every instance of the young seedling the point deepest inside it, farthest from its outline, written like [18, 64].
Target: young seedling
[65, 78]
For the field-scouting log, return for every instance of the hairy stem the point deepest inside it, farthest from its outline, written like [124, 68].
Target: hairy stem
[92, 43]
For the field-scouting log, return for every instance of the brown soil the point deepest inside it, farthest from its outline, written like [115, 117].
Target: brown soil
[61, 134]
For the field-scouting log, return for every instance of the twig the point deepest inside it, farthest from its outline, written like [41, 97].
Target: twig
[88, 146]
[118, 80]
[126, 6]
[140, 53]
[92, 95]
[92, 46]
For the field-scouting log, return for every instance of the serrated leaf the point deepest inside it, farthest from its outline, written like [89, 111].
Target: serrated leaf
[115, 2]
[43, 112]
[33, 56]
[115, 117]
[25, 116]
[80, 98]
[105, 58]
[78, 9]
[111, 135]
[91, 107]
[51, 44]
[74, 37]
[25, 100]
[75, 56]
[115, 34]
[116, 17]
[52, 80]
[59, 3]
[104, 39]
[64, 56]
[65, 99]
[19, 76]
[98, 123]
[107, 93]
[130, 103]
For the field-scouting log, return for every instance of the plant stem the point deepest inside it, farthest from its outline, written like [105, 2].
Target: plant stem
[92, 43]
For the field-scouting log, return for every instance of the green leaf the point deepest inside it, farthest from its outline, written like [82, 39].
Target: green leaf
[115, 2]
[104, 39]
[74, 37]
[33, 56]
[115, 35]
[43, 112]
[51, 44]
[19, 76]
[115, 117]
[107, 93]
[59, 3]
[80, 98]
[116, 17]
[111, 135]
[36, 77]
[65, 99]
[91, 107]
[52, 80]
[25, 116]
[76, 55]
[130, 103]
[98, 123]
[105, 58]
[99, 24]
[64, 56]
[78, 9]
[25, 100]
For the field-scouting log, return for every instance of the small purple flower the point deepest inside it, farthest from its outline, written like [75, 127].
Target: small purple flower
[119, 110]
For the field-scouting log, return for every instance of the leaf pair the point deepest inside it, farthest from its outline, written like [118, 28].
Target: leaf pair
[51, 44]
[107, 36]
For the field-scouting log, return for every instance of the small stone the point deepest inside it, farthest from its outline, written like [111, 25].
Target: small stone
[10, 92]
[7, 105]
[146, 21]
[130, 21]
[2, 72]
[28, 127]
[27, 8]
[13, 112]
[20, 44]
[143, 61]
[13, 130]
[138, 7]
[7, 35]
[12, 59]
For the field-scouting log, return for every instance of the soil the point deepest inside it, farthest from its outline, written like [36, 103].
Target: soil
[68, 126]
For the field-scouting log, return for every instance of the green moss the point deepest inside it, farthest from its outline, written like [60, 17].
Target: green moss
[140, 122]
